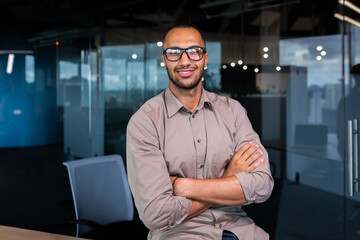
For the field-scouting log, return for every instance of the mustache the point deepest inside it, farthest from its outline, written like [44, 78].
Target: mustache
[186, 68]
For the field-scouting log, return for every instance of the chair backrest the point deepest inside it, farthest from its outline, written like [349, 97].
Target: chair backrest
[100, 190]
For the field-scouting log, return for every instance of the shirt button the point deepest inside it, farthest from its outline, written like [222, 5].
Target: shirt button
[193, 116]
[199, 140]
[201, 166]
[220, 225]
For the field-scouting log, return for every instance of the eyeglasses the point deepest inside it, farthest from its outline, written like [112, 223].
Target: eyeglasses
[195, 53]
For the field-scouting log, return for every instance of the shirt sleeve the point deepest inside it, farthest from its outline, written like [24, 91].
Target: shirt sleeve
[149, 177]
[258, 184]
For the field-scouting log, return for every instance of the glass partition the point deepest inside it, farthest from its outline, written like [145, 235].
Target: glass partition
[27, 100]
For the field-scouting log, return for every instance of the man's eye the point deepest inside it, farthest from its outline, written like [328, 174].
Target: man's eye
[173, 51]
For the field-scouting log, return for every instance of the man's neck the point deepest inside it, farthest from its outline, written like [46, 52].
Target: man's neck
[190, 98]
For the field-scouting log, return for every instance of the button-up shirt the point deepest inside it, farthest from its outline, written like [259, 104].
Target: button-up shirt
[166, 139]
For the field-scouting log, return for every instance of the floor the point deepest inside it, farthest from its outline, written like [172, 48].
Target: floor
[35, 189]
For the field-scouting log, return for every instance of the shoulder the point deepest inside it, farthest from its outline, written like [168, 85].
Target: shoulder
[220, 102]
[150, 110]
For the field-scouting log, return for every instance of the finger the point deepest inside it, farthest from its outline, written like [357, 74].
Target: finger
[250, 151]
[255, 165]
[243, 148]
[254, 157]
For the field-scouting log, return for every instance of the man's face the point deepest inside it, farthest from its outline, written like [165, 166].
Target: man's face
[184, 73]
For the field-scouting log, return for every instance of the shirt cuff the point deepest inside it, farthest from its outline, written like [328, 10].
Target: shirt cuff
[182, 207]
[246, 182]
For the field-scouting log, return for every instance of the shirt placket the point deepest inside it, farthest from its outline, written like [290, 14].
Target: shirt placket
[199, 138]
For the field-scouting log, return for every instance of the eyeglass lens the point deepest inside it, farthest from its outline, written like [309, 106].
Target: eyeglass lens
[174, 54]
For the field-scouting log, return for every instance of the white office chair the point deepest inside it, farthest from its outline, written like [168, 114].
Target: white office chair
[100, 192]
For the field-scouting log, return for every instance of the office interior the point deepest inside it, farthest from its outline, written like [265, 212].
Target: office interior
[73, 72]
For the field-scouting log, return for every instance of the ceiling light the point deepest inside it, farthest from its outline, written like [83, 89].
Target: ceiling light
[266, 55]
[159, 44]
[240, 62]
[224, 66]
[347, 19]
[350, 5]
[265, 49]
[323, 53]
[10, 63]
[256, 70]
[318, 58]
[244, 67]
[232, 64]
[278, 68]
[134, 56]
[162, 64]
[319, 48]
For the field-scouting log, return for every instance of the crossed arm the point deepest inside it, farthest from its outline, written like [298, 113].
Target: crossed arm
[226, 190]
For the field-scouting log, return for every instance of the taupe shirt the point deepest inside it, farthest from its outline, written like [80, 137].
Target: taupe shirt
[164, 138]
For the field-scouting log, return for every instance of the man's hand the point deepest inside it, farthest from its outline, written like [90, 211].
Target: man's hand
[244, 160]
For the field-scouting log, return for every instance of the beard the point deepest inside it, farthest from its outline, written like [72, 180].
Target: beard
[177, 81]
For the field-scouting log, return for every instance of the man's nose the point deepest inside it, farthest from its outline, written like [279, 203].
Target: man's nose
[184, 59]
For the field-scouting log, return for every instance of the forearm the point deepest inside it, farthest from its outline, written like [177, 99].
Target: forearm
[225, 191]
[198, 207]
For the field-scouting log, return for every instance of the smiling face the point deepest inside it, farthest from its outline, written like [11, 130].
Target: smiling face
[184, 73]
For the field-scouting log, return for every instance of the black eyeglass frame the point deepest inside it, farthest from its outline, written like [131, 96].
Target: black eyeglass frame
[185, 50]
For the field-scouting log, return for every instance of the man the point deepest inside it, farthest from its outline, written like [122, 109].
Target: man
[192, 156]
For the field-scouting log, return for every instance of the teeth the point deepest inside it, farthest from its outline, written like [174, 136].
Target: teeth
[185, 72]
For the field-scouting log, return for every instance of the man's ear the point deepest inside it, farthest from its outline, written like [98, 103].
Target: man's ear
[206, 59]
[163, 59]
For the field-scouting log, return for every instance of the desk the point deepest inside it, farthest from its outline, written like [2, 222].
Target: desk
[11, 233]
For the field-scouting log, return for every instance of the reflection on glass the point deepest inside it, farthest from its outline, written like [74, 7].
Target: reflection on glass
[68, 70]
[27, 102]
[82, 98]
[314, 89]
[29, 69]
[10, 63]
[323, 89]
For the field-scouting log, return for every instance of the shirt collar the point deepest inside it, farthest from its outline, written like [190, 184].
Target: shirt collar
[173, 105]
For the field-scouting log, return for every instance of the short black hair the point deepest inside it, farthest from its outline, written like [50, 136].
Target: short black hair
[184, 26]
